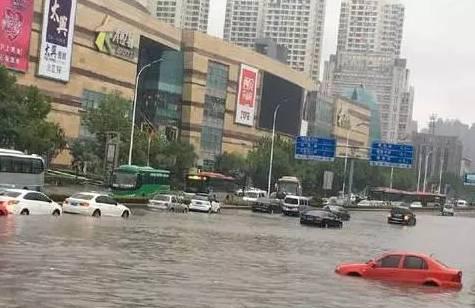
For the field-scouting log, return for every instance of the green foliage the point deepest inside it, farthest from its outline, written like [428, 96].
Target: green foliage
[24, 125]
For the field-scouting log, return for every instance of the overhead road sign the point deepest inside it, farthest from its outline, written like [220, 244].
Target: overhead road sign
[315, 148]
[392, 155]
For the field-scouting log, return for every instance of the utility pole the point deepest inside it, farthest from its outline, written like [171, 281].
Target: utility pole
[420, 170]
[272, 152]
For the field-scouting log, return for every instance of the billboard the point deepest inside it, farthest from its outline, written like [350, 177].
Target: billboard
[290, 97]
[57, 39]
[246, 99]
[15, 24]
[469, 179]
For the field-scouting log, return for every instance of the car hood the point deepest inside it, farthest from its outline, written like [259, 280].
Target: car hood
[346, 268]
[123, 207]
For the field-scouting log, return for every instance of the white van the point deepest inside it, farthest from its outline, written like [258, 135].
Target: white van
[461, 203]
[253, 195]
[293, 205]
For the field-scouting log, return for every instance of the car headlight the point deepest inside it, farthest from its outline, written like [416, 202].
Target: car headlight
[389, 215]
[406, 217]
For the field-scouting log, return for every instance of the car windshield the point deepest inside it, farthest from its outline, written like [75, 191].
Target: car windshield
[82, 196]
[291, 201]
[161, 198]
[11, 194]
[252, 195]
[200, 198]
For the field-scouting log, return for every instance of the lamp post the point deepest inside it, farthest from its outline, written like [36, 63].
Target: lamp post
[442, 161]
[272, 151]
[131, 147]
[425, 170]
[346, 153]
[419, 170]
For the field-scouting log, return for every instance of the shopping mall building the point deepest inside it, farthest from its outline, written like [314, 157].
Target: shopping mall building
[215, 95]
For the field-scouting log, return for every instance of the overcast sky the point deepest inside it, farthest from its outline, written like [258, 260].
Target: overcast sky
[438, 43]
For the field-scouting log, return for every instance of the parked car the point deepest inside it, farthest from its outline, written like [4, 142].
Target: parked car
[448, 210]
[461, 203]
[319, 218]
[204, 203]
[267, 205]
[372, 203]
[28, 202]
[167, 202]
[339, 211]
[405, 267]
[416, 205]
[293, 205]
[402, 216]
[95, 204]
[253, 195]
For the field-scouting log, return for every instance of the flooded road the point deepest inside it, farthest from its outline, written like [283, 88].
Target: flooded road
[236, 259]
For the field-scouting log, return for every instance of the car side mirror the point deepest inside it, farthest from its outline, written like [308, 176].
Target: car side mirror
[371, 264]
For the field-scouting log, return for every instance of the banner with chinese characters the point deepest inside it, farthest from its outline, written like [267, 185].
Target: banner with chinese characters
[15, 24]
[57, 39]
[246, 99]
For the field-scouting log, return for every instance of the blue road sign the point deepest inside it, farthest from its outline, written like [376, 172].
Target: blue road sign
[469, 179]
[315, 148]
[392, 155]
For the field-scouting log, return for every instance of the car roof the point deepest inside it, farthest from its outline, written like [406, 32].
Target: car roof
[407, 253]
[95, 194]
[21, 191]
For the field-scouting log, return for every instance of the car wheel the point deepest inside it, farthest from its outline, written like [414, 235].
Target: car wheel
[430, 283]
[272, 211]
[340, 225]
[25, 212]
[96, 213]
[56, 213]
[125, 214]
[413, 222]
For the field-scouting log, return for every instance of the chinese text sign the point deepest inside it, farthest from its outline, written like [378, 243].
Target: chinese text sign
[57, 39]
[246, 100]
[15, 24]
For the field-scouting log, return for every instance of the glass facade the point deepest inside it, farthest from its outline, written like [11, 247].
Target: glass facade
[368, 99]
[160, 87]
[89, 100]
[321, 121]
[213, 113]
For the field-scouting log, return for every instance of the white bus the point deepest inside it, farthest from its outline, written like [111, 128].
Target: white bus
[18, 170]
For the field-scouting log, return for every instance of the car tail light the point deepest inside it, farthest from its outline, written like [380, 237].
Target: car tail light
[84, 204]
[12, 202]
[457, 277]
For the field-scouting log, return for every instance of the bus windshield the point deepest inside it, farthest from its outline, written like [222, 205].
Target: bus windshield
[289, 188]
[18, 170]
[124, 180]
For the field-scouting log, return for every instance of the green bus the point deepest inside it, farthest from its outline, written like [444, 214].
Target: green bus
[131, 181]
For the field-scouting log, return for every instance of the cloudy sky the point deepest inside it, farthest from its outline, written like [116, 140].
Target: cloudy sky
[438, 43]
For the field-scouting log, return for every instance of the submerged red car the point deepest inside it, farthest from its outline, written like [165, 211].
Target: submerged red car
[405, 267]
[3, 209]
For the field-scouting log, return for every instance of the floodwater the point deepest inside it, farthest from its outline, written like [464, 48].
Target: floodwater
[235, 259]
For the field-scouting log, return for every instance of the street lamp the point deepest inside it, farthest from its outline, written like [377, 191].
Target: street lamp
[137, 78]
[346, 153]
[272, 151]
[425, 170]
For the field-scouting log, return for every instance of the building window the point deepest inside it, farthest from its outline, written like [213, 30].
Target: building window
[89, 100]
[213, 113]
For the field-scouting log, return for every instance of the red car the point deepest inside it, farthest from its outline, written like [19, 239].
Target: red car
[3, 209]
[405, 267]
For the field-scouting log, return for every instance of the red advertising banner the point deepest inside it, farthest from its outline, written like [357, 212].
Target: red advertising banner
[16, 17]
[246, 100]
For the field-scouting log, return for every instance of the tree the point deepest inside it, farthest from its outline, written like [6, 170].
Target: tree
[24, 125]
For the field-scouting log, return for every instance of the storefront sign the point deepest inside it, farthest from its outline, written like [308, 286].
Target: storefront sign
[119, 43]
[15, 24]
[246, 100]
[57, 39]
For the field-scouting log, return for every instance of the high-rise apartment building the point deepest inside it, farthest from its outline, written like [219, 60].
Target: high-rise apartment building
[369, 45]
[183, 14]
[295, 24]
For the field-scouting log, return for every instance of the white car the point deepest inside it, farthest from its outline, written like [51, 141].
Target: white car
[203, 203]
[372, 203]
[461, 203]
[28, 202]
[94, 204]
[416, 205]
[253, 195]
[293, 205]
[167, 202]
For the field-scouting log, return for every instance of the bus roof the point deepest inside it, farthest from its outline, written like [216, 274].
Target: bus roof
[212, 175]
[134, 168]
[15, 153]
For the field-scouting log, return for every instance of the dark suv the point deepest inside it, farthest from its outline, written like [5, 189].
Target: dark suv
[402, 216]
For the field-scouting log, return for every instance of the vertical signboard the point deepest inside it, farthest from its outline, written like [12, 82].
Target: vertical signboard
[15, 25]
[57, 39]
[246, 99]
